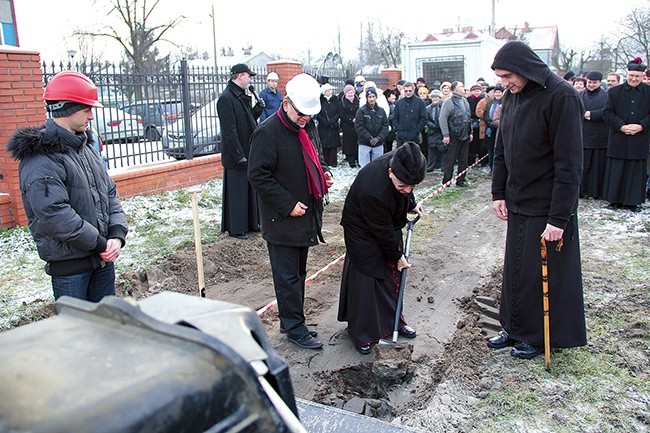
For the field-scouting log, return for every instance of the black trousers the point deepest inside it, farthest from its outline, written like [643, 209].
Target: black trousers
[457, 150]
[289, 266]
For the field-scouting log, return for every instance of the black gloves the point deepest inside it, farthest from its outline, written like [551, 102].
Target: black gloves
[243, 162]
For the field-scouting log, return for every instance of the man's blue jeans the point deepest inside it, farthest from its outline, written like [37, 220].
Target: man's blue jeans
[90, 286]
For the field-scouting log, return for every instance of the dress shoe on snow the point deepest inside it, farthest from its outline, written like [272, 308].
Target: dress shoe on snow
[307, 342]
[408, 332]
[524, 350]
[500, 341]
[364, 350]
[312, 333]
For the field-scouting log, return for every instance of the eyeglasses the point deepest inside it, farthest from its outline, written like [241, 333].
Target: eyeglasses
[298, 112]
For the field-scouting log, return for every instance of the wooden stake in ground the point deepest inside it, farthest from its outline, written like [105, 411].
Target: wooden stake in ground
[198, 247]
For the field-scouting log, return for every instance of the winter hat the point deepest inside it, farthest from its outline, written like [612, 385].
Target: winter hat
[64, 108]
[594, 75]
[498, 86]
[569, 75]
[476, 86]
[401, 82]
[408, 163]
[435, 92]
[636, 64]
[347, 88]
[325, 87]
[349, 81]
[370, 90]
[445, 83]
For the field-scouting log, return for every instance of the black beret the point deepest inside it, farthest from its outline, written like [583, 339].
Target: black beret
[594, 75]
[408, 163]
[569, 75]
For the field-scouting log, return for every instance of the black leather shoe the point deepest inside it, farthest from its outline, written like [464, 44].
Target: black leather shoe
[408, 332]
[364, 350]
[242, 236]
[500, 341]
[312, 333]
[524, 350]
[307, 342]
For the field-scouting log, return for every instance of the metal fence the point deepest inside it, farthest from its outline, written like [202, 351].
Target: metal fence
[154, 116]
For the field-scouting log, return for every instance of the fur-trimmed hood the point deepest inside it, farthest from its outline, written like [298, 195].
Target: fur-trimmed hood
[46, 139]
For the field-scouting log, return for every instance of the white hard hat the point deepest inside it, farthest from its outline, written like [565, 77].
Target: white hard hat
[304, 92]
[272, 76]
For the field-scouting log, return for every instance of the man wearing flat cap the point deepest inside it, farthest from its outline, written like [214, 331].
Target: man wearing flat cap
[238, 120]
[535, 187]
[627, 112]
[594, 136]
[374, 213]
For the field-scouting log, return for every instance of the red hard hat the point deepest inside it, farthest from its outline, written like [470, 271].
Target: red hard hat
[72, 86]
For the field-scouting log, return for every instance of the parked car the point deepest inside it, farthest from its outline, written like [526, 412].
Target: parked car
[206, 133]
[156, 115]
[115, 125]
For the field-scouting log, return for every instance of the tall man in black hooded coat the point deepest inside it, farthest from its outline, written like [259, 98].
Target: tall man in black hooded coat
[535, 187]
[373, 216]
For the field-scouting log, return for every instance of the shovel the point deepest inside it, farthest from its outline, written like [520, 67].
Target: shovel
[402, 283]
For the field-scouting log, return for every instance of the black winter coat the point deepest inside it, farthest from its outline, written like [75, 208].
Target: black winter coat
[369, 123]
[409, 118]
[328, 122]
[538, 150]
[277, 172]
[373, 217]
[238, 121]
[625, 105]
[594, 131]
[348, 111]
[70, 200]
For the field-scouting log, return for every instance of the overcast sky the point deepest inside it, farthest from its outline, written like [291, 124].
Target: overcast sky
[291, 28]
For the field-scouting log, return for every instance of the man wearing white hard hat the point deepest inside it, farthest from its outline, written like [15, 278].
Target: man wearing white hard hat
[271, 96]
[291, 180]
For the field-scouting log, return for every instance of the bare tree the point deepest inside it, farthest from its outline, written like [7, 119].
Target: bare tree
[140, 37]
[635, 36]
[382, 46]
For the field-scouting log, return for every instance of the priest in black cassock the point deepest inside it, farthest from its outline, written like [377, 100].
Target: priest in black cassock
[627, 112]
[374, 214]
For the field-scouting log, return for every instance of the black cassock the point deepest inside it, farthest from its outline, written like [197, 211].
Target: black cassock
[373, 217]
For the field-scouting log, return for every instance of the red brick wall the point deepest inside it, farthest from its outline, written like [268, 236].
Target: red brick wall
[21, 93]
[393, 75]
[168, 176]
[286, 70]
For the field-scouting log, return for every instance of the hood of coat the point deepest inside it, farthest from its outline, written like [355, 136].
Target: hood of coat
[517, 57]
[45, 139]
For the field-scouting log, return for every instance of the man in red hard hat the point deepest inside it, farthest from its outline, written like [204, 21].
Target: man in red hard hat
[71, 202]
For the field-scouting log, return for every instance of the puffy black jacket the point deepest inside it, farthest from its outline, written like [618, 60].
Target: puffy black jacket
[369, 123]
[70, 200]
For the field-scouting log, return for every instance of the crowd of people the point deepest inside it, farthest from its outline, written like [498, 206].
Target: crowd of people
[547, 140]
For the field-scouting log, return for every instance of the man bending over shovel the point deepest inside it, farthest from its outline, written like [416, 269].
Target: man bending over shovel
[374, 213]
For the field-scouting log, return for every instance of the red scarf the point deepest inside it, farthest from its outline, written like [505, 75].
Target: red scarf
[316, 184]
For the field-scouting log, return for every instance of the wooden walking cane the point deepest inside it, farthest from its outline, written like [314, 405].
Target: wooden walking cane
[547, 323]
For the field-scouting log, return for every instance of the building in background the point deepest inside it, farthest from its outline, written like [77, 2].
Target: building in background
[8, 28]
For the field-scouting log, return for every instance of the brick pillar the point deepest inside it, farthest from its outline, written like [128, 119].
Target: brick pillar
[393, 75]
[21, 99]
[286, 70]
